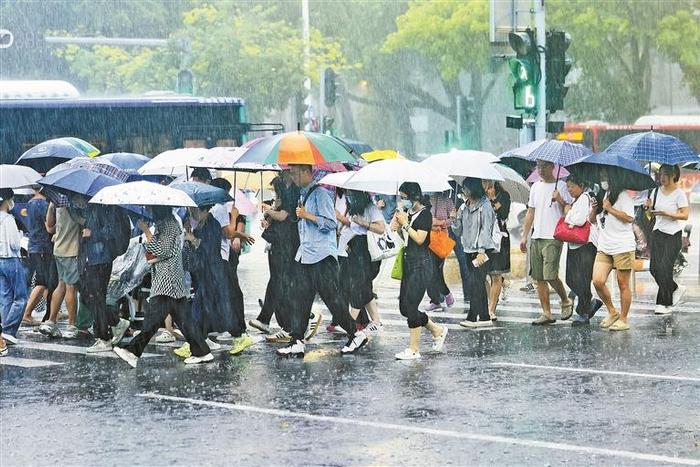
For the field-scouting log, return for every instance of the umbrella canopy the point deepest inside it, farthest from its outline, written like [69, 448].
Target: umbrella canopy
[558, 171]
[15, 176]
[173, 162]
[297, 147]
[354, 147]
[142, 193]
[653, 147]
[127, 161]
[476, 164]
[692, 165]
[203, 194]
[80, 181]
[380, 155]
[555, 151]
[48, 154]
[94, 165]
[516, 186]
[226, 158]
[626, 172]
[242, 203]
[385, 177]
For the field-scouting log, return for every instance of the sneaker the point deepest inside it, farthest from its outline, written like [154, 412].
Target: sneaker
[46, 328]
[439, 342]
[127, 356]
[355, 343]
[662, 310]
[434, 307]
[71, 332]
[596, 305]
[580, 321]
[165, 337]
[282, 337]
[178, 334]
[119, 330]
[240, 344]
[335, 329]
[567, 309]
[260, 326]
[100, 346]
[192, 360]
[212, 345]
[476, 324]
[3, 350]
[678, 294]
[407, 354]
[373, 329]
[609, 320]
[294, 350]
[31, 322]
[314, 323]
[619, 325]
[224, 337]
[542, 320]
[528, 288]
[184, 351]
[9, 339]
[449, 300]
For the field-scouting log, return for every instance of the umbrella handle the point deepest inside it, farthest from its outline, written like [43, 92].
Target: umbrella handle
[556, 182]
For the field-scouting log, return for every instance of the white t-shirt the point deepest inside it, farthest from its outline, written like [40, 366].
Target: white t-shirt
[578, 216]
[221, 213]
[671, 203]
[614, 236]
[372, 214]
[547, 213]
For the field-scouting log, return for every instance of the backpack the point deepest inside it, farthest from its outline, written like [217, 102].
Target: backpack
[121, 226]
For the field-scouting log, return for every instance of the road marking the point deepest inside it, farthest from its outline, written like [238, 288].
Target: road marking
[26, 362]
[430, 431]
[72, 349]
[601, 372]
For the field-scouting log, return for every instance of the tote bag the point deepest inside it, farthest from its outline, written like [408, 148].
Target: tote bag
[383, 246]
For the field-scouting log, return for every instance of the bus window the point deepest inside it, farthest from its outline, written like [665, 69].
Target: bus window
[194, 143]
[226, 143]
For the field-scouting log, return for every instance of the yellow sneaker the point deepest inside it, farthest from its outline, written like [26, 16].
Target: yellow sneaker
[184, 351]
[239, 344]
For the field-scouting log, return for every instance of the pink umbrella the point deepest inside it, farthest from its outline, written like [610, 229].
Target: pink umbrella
[535, 177]
[244, 205]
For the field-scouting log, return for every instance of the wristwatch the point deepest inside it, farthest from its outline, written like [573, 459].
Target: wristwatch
[405, 227]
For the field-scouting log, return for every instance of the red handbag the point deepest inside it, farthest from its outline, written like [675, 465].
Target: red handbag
[578, 234]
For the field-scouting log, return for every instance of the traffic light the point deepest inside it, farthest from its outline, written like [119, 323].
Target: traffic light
[185, 82]
[558, 66]
[525, 68]
[329, 79]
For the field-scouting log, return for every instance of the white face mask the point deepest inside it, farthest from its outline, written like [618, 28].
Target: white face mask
[605, 185]
[11, 205]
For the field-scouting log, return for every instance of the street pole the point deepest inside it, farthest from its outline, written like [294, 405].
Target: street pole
[306, 34]
[322, 98]
[541, 119]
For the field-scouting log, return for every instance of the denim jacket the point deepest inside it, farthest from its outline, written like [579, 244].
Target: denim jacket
[475, 226]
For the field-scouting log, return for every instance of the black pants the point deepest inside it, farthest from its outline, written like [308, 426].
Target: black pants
[321, 278]
[93, 289]
[279, 289]
[437, 289]
[361, 272]
[161, 306]
[479, 301]
[664, 251]
[579, 274]
[237, 302]
[416, 276]
[42, 266]
[462, 261]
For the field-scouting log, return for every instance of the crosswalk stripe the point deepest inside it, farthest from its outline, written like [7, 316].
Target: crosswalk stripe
[26, 362]
[72, 349]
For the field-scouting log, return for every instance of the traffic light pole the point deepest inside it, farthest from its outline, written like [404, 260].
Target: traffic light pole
[541, 119]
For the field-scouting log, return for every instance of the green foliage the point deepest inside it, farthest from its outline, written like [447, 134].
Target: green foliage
[679, 39]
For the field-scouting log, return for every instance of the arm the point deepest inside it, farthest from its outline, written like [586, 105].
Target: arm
[680, 215]
[579, 212]
[50, 222]
[457, 224]
[325, 218]
[485, 241]
[527, 227]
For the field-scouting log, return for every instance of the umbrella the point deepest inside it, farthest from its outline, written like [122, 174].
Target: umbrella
[173, 162]
[555, 151]
[94, 165]
[476, 164]
[127, 161]
[560, 172]
[242, 203]
[48, 154]
[354, 147]
[381, 155]
[625, 172]
[203, 194]
[80, 181]
[385, 177]
[15, 176]
[516, 186]
[227, 158]
[297, 147]
[142, 193]
[654, 147]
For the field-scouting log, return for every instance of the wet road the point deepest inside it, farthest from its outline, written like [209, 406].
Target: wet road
[511, 395]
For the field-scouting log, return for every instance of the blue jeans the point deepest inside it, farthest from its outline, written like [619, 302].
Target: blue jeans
[463, 269]
[13, 294]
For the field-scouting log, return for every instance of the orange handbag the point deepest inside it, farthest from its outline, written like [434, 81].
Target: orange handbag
[440, 243]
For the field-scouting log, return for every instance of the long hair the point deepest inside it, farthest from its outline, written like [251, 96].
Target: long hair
[357, 202]
[474, 187]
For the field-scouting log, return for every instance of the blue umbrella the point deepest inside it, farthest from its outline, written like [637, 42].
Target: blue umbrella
[625, 172]
[80, 181]
[127, 161]
[49, 154]
[562, 153]
[203, 194]
[653, 147]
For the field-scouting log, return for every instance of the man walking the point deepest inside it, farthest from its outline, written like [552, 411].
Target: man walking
[544, 209]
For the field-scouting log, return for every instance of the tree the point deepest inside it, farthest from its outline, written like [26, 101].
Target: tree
[679, 39]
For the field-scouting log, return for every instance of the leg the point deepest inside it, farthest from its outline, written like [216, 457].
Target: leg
[495, 293]
[158, 310]
[194, 335]
[302, 300]
[462, 261]
[14, 292]
[55, 305]
[237, 300]
[543, 295]
[479, 304]
[623, 282]
[326, 282]
[434, 288]
[272, 290]
[94, 290]
[413, 286]
[664, 251]
[601, 271]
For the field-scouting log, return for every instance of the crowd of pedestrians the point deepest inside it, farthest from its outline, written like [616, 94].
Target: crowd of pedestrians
[317, 242]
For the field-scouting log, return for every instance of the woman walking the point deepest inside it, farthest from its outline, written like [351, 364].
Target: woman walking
[474, 223]
[669, 205]
[500, 260]
[13, 282]
[616, 246]
[414, 221]
[441, 205]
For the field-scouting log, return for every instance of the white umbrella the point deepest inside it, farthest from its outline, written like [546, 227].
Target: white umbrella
[227, 158]
[15, 176]
[336, 179]
[458, 159]
[458, 166]
[516, 186]
[173, 162]
[143, 193]
[385, 177]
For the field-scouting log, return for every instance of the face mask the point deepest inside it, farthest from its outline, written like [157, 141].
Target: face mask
[605, 185]
[11, 205]
[406, 204]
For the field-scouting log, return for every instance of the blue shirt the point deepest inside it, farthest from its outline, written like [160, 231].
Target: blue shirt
[317, 240]
[39, 238]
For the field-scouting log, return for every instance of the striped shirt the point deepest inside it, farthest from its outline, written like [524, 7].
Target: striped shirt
[168, 273]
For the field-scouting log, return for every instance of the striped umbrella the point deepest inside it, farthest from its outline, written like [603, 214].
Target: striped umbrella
[296, 147]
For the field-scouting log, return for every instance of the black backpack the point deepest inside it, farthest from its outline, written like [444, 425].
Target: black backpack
[119, 222]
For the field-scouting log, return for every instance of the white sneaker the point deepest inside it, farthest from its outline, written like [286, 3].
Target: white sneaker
[281, 337]
[71, 332]
[476, 324]
[165, 337]
[355, 343]
[224, 336]
[407, 354]
[315, 320]
[127, 356]
[10, 340]
[295, 349]
[194, 360]
[439, 342]
[212, 345]
[100, 346]
[373, 329]
[662, 310]
[259, 325]
[678, 294]
[178, 334]
[119, 330]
